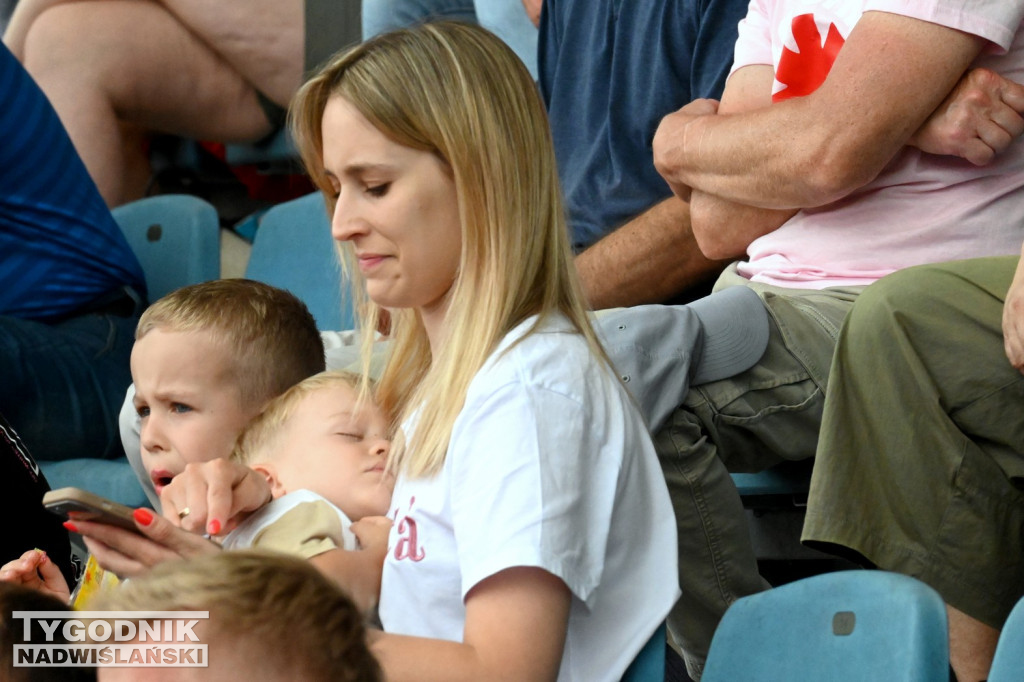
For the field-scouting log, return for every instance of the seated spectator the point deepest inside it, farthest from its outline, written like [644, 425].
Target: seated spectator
[207, 358]
[272, 617]
[609, 71]
[71, 289]
[323, 454]
[117, 72]
[829, 169]
[920, 462]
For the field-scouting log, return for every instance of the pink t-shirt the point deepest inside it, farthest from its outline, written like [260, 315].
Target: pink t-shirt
[922, 208]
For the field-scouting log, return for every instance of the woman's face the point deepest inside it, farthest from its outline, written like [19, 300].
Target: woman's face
[398, 208]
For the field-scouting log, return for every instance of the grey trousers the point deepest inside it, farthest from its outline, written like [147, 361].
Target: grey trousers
[763, 416]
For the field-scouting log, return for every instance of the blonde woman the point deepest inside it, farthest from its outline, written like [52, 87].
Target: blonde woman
[533, 537]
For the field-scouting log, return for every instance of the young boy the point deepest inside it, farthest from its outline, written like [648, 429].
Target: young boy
[206, 359]
[271, 617]
[323, 454]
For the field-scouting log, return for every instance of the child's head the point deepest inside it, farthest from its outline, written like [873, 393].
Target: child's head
[272, 617]
[207, 357]
[367, 126]
[317, 436]
[15, 597]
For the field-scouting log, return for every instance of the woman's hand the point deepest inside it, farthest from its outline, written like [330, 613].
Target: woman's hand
[35, 570]
[212, 497]
[372, 533]
[129, 554]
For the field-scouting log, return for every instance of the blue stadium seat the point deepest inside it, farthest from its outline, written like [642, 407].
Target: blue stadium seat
[1008, 664]
[784, 484]
[649, 664]
[176, 238]
[842, 626]
[112, 479]
[293, 250]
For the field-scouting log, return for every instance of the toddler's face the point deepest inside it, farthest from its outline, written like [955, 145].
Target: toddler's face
[336, 451]
[187, 399]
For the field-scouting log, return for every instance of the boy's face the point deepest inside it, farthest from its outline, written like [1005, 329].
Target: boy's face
[188, 400]
[335, 451]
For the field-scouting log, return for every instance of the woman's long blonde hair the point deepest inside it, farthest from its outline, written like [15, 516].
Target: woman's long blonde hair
[458, 92]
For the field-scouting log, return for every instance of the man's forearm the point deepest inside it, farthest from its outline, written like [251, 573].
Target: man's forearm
[891, 74]
[724, 229]
[648, 260]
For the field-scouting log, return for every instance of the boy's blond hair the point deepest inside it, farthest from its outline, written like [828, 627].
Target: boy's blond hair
[262, 434]
[458, 92]
[279, 608]
[269, 333]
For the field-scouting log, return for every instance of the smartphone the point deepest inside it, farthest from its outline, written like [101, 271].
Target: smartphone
[76, 504]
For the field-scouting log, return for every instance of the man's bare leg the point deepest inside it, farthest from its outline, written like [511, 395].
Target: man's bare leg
[24, 15]
[971, 646]
[116, 70]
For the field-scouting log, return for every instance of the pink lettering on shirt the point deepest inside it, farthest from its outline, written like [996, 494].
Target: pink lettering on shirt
[407, 546]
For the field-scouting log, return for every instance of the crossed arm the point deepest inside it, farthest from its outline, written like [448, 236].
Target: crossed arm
[896, 82]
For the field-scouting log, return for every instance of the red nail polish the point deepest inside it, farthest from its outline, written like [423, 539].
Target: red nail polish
[213, 527]
[143, 516]
[71, 527]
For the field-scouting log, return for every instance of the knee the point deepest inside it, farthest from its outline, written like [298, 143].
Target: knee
[901, 304]
[60, 50]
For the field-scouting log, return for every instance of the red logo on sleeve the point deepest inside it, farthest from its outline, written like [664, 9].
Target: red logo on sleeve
[802, 72]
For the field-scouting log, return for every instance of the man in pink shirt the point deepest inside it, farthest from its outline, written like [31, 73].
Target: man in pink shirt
[852, 140]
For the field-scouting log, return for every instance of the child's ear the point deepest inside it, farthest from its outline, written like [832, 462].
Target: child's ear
[269, 472]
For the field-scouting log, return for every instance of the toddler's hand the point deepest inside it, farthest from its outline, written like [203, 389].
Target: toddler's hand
[35, 570]
[372, 533]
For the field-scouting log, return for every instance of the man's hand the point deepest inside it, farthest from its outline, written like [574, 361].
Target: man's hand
[1013, 320]
[674, 139]
[533, 10]
[978, 120]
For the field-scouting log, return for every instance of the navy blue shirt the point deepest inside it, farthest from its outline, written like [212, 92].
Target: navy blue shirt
[60, 249]
[609, 71]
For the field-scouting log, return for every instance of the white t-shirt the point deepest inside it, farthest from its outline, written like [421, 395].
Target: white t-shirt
[922, 208]
[549, 466]
[301, 523]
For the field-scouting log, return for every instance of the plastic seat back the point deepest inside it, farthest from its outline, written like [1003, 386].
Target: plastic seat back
[649, 664]
[176, 238]
[1008, 663]
[293, 250]
[847, 625]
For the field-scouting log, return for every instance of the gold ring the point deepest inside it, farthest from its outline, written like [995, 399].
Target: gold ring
[184, 512]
